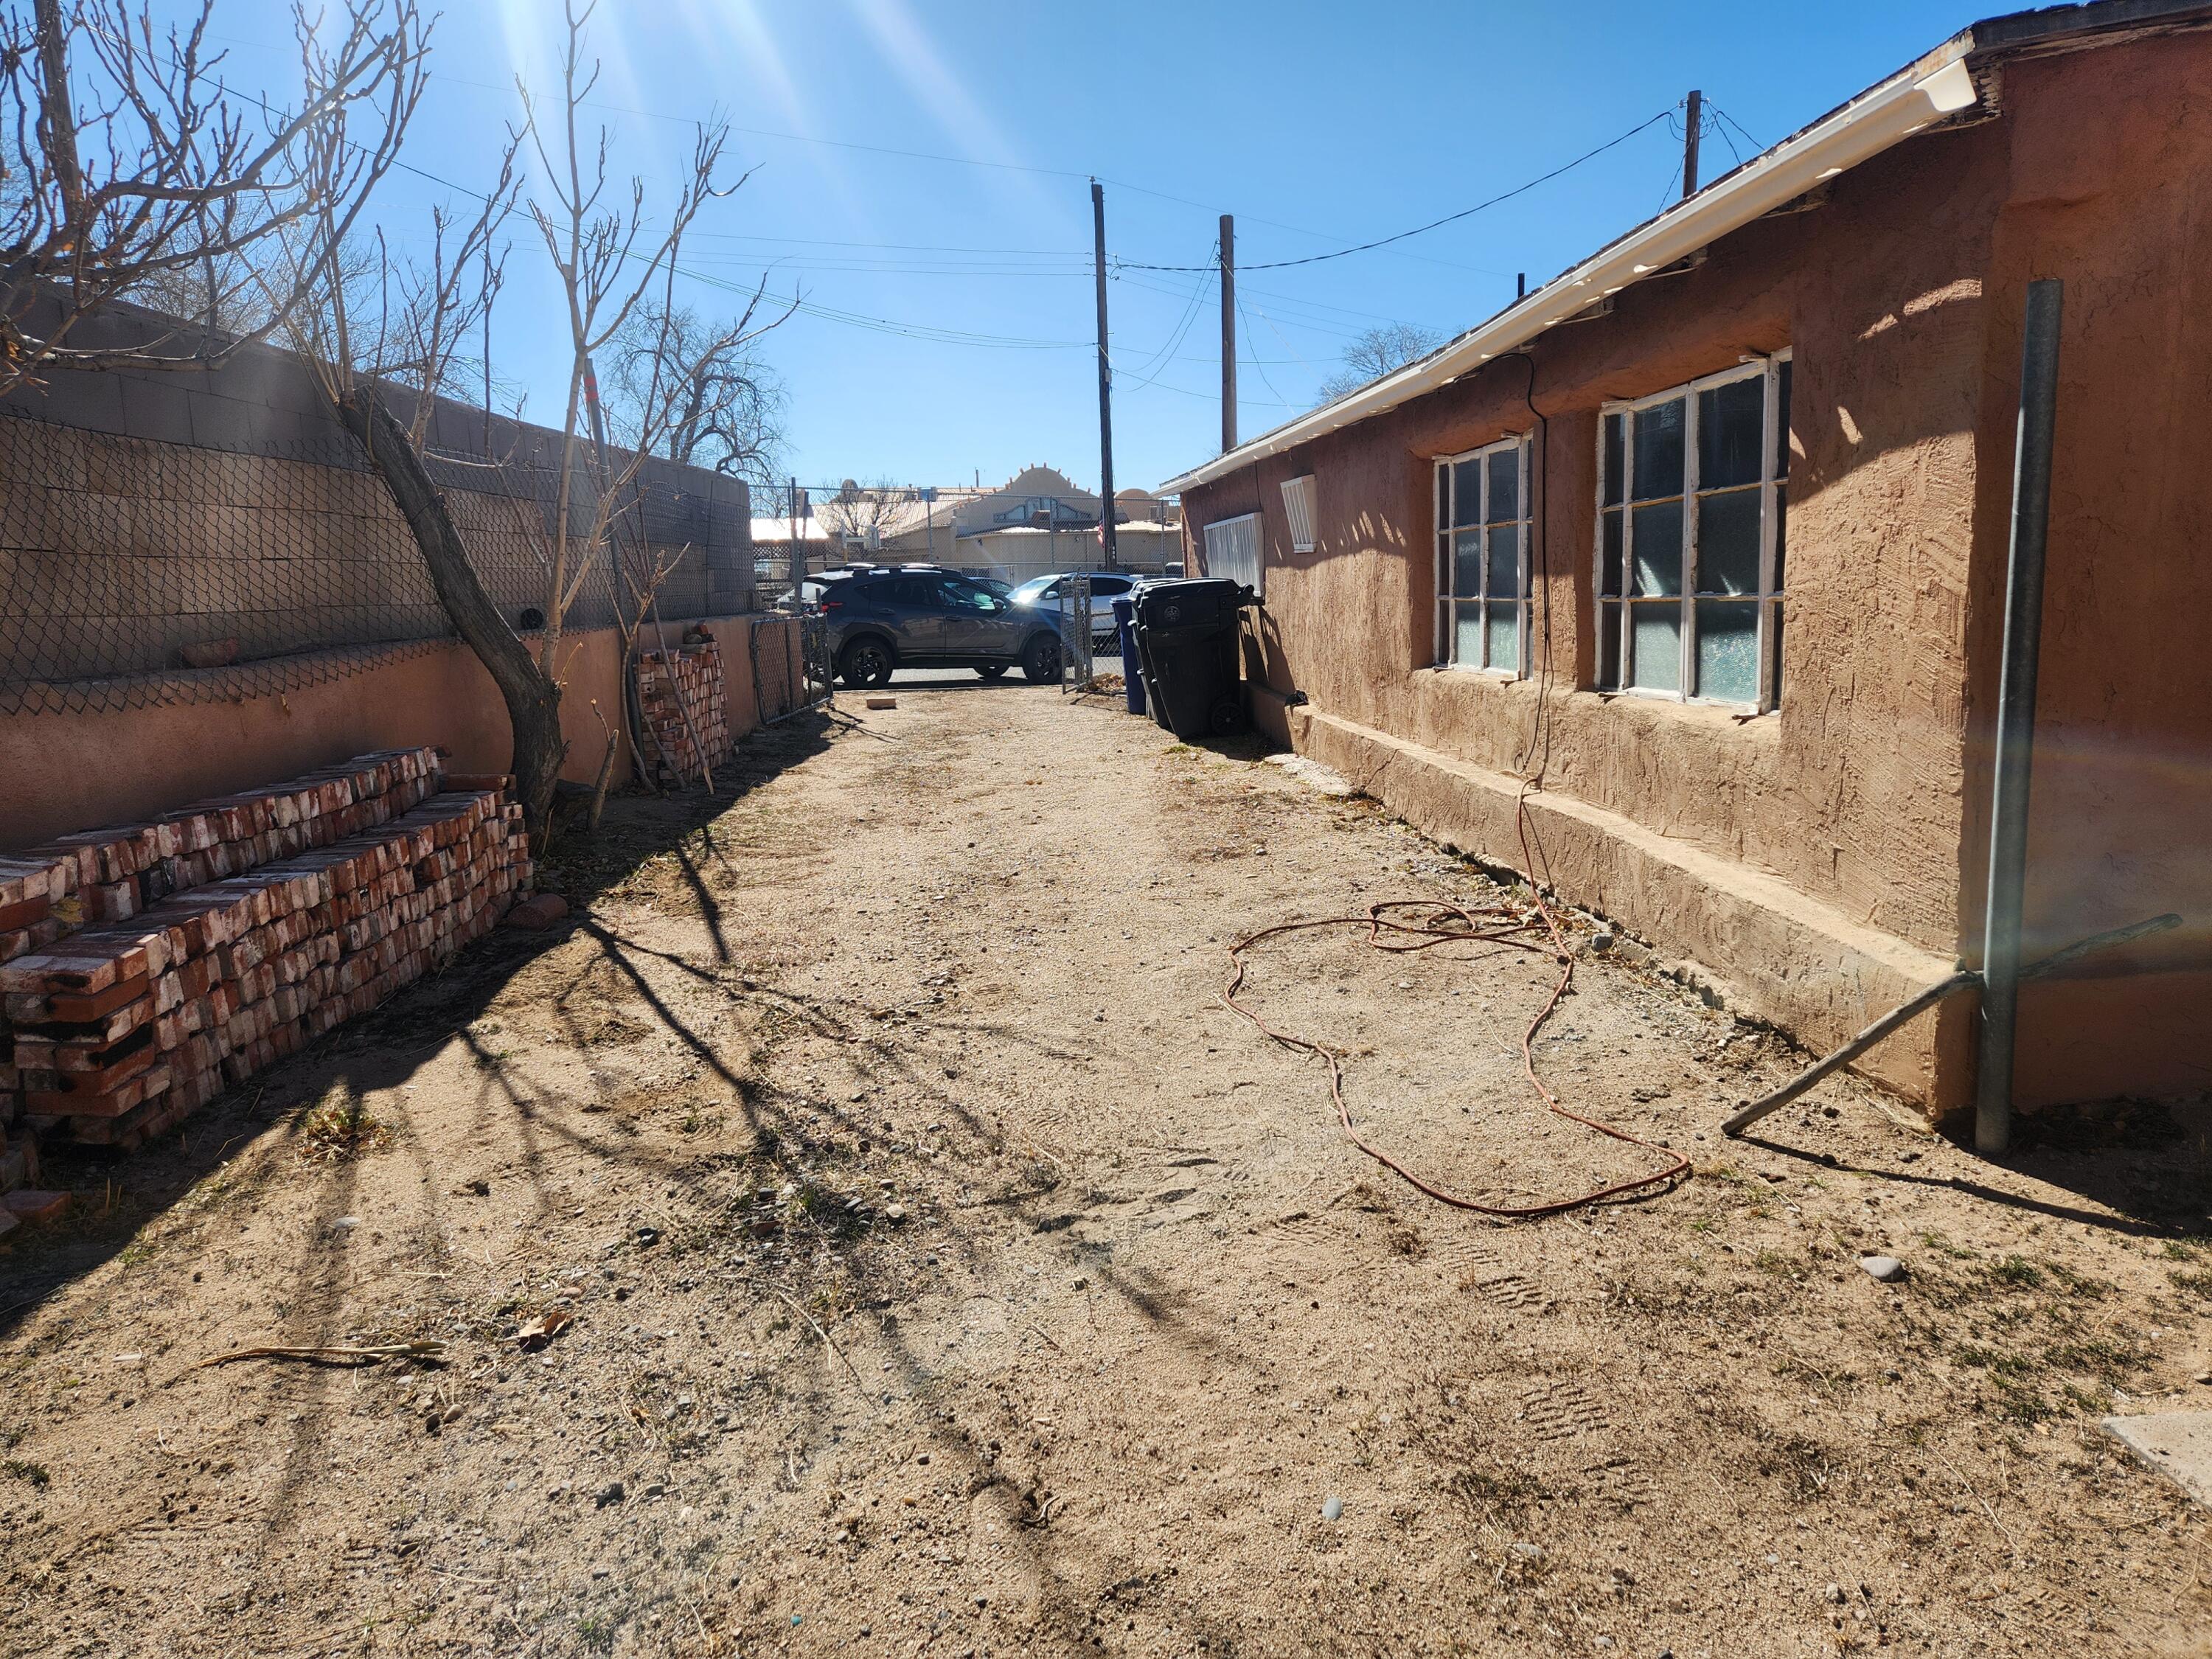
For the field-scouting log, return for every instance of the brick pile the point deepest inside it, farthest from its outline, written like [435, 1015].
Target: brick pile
[694, 675]
[335, 890]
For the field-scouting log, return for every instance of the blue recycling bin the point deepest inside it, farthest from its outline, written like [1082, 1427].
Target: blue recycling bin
[1133, 667]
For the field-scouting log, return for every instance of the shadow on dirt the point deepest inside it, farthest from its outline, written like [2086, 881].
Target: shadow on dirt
[2147, 1166]
[116, 1196]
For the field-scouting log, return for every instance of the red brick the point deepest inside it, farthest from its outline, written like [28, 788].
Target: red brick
[31, 1204]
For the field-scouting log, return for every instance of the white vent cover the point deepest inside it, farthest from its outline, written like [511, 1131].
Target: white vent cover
[1232, 549]
[1298, 503]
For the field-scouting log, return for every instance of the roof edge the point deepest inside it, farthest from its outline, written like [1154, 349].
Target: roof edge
[1937, 85]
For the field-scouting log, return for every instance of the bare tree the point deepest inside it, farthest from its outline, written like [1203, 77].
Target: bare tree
[726, 413]
[1375, 352]
[867, 515]
[399, 328]
[129, 167]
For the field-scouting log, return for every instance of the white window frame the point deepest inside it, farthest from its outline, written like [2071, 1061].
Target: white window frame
[1772, 486]
[1247, 565]
[1298, 509]
[1447, 634]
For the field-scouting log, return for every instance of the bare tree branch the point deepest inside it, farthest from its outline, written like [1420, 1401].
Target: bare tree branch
[129, 165]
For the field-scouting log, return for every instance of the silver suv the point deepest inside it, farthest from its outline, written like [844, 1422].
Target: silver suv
[882, 620]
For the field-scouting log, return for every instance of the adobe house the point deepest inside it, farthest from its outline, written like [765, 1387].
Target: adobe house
[1710, 533]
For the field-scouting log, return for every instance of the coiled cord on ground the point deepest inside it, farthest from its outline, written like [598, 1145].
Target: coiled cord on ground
[1441, 922]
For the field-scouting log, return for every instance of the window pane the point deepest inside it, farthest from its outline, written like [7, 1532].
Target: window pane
[1781, 533]
[1467, 635]
[1504, 630]
[1782, 425]
[1611, 464]
[1727, 650]
[1504, 485]
[1727, 542]
[1443, 497]
[1467, 493]
[1774, 622]
[1608, 647]
[1731, 419]
[1610, 577]
[1504, 562]
[1658, 443]
[1657, 538]
[1657, 646]
[1467, 563]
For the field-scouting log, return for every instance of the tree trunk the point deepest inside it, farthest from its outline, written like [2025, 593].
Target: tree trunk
[533, 701]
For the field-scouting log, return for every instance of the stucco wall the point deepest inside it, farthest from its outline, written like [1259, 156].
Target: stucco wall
[76, 771]
[1899, 297]
[2120, 821]
[1851, 792]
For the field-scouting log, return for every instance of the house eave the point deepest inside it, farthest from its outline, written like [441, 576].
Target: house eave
[1937, 87]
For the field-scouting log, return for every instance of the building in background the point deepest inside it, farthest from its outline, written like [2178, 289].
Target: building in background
[1038, 522]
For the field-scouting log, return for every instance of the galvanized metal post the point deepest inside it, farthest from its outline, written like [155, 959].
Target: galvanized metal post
[2015, 723]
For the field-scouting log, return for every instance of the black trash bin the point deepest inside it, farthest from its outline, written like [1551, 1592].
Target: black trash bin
[1187, 647]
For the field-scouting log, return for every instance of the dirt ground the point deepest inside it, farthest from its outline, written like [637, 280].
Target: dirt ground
[946, 1271]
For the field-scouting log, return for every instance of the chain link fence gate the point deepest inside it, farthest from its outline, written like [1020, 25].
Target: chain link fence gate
[1076, 628]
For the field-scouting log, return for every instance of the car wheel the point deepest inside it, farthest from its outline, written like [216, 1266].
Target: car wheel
[866, 662]
[1041, 658]
[991, 670]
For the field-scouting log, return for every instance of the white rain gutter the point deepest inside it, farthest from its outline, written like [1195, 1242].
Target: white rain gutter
[1937, 86]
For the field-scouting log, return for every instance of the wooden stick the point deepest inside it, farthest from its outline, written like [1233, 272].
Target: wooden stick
[827, 1343]
[427, 1349]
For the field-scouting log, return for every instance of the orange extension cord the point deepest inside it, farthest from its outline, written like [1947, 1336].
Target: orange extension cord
[1446, 920]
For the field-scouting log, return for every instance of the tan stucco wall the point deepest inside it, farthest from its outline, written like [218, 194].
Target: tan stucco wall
[1899, 298]
[2120, 823]
[76, 771]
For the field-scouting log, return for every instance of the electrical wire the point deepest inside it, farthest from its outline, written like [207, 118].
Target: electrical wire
[1434, 224]
[1446, 922]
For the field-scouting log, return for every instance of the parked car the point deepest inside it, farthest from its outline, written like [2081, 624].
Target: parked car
[883, 620]
[1057, 593]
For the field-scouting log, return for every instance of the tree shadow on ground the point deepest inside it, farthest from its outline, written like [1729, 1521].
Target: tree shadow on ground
[118, 1195]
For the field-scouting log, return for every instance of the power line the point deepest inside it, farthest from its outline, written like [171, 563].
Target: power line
[1449, 218]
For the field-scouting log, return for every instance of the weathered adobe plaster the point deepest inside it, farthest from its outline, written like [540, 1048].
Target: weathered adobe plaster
[1867, 793]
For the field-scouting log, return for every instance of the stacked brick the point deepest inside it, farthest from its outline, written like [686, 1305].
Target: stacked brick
[357, 880]
[668, 684]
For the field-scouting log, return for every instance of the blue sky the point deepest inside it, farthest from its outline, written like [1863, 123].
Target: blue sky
[950, 305]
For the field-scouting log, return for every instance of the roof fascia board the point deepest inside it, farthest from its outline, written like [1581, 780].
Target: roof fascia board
[1937, 86]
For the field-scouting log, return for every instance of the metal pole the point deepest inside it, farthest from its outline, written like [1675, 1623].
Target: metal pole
[2015, 729]
[1228, 334]
[1694, 118]
[798, 548]
[1105, 386]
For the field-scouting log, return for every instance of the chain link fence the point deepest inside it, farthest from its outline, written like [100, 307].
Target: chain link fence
[185, 538]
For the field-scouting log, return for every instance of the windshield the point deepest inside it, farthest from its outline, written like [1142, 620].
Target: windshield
[1031, 590]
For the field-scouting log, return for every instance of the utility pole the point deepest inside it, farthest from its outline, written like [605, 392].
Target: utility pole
[1692, 120]
[1105, 388]
[1228, 333]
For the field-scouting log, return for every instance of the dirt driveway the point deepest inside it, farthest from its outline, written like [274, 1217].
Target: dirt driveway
[864, 1232]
